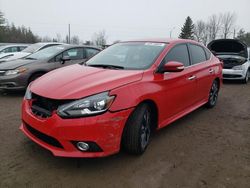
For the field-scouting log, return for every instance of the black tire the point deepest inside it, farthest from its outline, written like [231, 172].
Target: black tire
[136, 134]
[35, 76]
[213, 95]
[245, 80]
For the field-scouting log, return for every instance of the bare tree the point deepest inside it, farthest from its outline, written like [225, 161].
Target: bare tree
[200, 32]
[58, 37]
[227, 23]
[75, 40]
[100, 38]
[46, 39]
[213, 26]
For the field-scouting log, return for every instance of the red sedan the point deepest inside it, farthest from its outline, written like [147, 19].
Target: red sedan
[119, 97]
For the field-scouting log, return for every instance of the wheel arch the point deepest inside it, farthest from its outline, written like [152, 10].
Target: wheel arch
[35, 73]
[154, 108]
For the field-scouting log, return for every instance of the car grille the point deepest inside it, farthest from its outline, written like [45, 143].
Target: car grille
[44, 107]
[2, 73]
[43, 137]
[231, 76]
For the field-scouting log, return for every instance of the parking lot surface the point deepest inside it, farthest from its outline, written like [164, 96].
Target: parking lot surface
[207, 148]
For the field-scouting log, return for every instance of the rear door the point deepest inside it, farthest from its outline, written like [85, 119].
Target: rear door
[203, 70]
[178, 88]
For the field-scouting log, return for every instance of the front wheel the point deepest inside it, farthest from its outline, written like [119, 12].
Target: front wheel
[137, 130]
[246, 78]
[213, 94]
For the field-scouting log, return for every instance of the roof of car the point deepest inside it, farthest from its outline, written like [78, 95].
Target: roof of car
[163, 40]
[67, 46]
[13, 45]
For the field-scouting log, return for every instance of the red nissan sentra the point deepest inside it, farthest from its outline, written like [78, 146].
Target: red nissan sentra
[119, 97]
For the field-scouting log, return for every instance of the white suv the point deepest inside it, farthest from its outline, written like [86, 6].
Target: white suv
[235, 56]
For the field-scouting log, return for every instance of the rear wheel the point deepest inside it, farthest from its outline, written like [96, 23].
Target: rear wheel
[213, 94]
[137, 131]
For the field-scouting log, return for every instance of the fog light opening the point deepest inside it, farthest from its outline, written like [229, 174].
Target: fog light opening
[82, 146]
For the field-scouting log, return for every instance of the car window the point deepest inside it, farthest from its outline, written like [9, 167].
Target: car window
[10, 49]
[74, 54]
[21, 48]
[58, 58]
[178, 53]
[46, 53]
[48, 45]
[128, 55]
[208, 53]
[197, 53]
[90, 52]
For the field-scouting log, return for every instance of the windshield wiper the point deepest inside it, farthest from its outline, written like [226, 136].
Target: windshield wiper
[106, 66]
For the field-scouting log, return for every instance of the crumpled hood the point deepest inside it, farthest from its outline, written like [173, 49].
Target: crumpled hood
[77, 81]
[9, 65]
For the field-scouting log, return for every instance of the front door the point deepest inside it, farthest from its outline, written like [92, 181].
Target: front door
[178, 89]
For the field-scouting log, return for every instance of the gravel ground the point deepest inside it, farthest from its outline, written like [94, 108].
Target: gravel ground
[207, 148]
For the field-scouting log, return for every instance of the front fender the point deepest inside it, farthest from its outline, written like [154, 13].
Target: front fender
[129, 96]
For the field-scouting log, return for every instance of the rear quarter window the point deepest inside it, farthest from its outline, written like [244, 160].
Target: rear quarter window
[208, 53]
[197, 53]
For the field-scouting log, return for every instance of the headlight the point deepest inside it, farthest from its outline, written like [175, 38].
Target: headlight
[28, 94]
[16, 71]
[92, 105]
[238, 67]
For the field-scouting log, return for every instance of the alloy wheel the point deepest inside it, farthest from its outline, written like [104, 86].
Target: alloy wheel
[214, 93]
[145, 129]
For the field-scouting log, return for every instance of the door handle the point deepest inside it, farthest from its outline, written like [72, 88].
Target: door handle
[191, 77]
[211, 71]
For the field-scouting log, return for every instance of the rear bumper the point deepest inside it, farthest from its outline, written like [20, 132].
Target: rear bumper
[103, 130]
[230, 74]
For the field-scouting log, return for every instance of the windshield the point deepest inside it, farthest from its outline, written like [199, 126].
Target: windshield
[130, 55]
[1, 48]
[46, 53]
[32, 48]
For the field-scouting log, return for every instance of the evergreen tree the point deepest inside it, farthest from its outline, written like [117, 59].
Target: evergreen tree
[11, 33]
[187, 31]
[243, 36]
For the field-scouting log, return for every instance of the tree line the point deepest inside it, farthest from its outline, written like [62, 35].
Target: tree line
[9, 33]
[217, 26]
[13, 34]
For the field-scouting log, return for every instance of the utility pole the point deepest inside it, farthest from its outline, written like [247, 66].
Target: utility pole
[69, 35]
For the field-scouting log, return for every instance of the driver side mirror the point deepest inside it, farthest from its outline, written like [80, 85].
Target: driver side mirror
[172, 66]
[64, 59]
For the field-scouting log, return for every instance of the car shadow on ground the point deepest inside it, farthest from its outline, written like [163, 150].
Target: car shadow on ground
[232, 82]
[17, 93]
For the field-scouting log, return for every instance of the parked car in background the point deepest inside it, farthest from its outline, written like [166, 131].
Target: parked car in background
[235, 57]
[17, 74]
[12, 48]
[9, 50]
[119, 97]
[27, 51]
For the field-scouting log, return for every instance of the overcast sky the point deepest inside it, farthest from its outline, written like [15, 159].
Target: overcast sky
[121, 19]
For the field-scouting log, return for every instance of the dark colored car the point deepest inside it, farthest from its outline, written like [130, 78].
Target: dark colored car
[119, 97]
[19, 73]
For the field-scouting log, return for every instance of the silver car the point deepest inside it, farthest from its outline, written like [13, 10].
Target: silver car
[235, 56]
